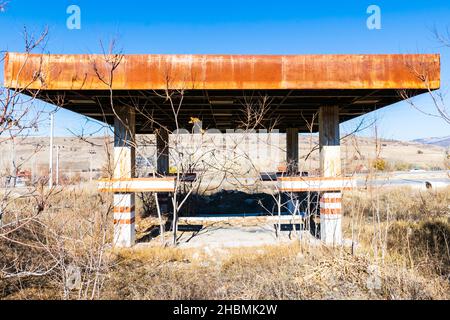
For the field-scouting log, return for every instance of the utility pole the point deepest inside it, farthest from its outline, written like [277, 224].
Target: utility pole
[13, 164]
[57, 165]
[35, 162]
[50, 167]
[91, 152]
[33, 170]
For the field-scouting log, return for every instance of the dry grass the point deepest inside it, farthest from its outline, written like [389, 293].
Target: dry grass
[427, 245]
[278, 272]
[403, 238]
[72, 231]
[397, 203]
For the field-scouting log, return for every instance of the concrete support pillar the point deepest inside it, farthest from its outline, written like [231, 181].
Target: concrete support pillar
[162, 152]
[292, 151]
[330, 166]
[124, 168]
[124, 220]
[329, 141]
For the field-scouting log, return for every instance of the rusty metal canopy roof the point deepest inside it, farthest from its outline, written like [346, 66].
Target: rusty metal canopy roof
[219, 88]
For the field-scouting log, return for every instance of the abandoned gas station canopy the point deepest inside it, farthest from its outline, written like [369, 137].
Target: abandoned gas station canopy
[218, 90]
[218, 87]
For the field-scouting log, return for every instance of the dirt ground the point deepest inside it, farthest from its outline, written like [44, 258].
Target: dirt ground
[235, 237]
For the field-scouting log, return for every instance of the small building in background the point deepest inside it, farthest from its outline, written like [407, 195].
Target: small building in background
[20, 180]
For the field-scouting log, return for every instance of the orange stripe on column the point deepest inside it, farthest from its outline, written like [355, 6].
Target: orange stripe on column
[331, 200]
[330, 211]
[124, 209]
[125, 221]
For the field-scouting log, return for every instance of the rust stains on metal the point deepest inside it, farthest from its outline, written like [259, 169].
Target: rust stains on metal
[246, 72]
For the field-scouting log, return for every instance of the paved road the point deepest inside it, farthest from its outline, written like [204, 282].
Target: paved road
[437, 179]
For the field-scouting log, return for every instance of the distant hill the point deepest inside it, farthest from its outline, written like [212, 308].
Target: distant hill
[441, 141]
[78, 156]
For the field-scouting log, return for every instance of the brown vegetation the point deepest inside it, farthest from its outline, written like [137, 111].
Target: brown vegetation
[73, 250]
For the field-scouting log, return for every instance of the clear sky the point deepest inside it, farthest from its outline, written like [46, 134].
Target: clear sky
[244, 27]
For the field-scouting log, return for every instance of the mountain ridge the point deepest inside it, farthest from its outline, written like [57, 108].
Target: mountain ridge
[436, 141]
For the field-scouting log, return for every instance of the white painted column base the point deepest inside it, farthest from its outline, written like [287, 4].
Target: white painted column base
[124, 168]
[331, 218]
[331, 229]
[331, 161]
[124, 220]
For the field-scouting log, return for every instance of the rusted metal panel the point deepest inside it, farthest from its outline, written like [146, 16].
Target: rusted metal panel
[234, 72]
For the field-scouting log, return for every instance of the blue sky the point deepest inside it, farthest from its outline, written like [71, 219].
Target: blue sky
[244, 27]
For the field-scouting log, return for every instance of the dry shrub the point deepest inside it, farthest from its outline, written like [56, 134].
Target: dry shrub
[271, 272]
[24, 254]
[425, 243]
[397, 203]
[78, 229]
[380, 164]
[145, 202]
[68, 239]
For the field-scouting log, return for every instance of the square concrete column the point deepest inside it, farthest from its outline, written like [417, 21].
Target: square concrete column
[330, 166]
[124, 168]
[329, 141]
[292, 150]
[162, 166]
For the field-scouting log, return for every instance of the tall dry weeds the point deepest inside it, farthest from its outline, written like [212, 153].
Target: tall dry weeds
[72, 235]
